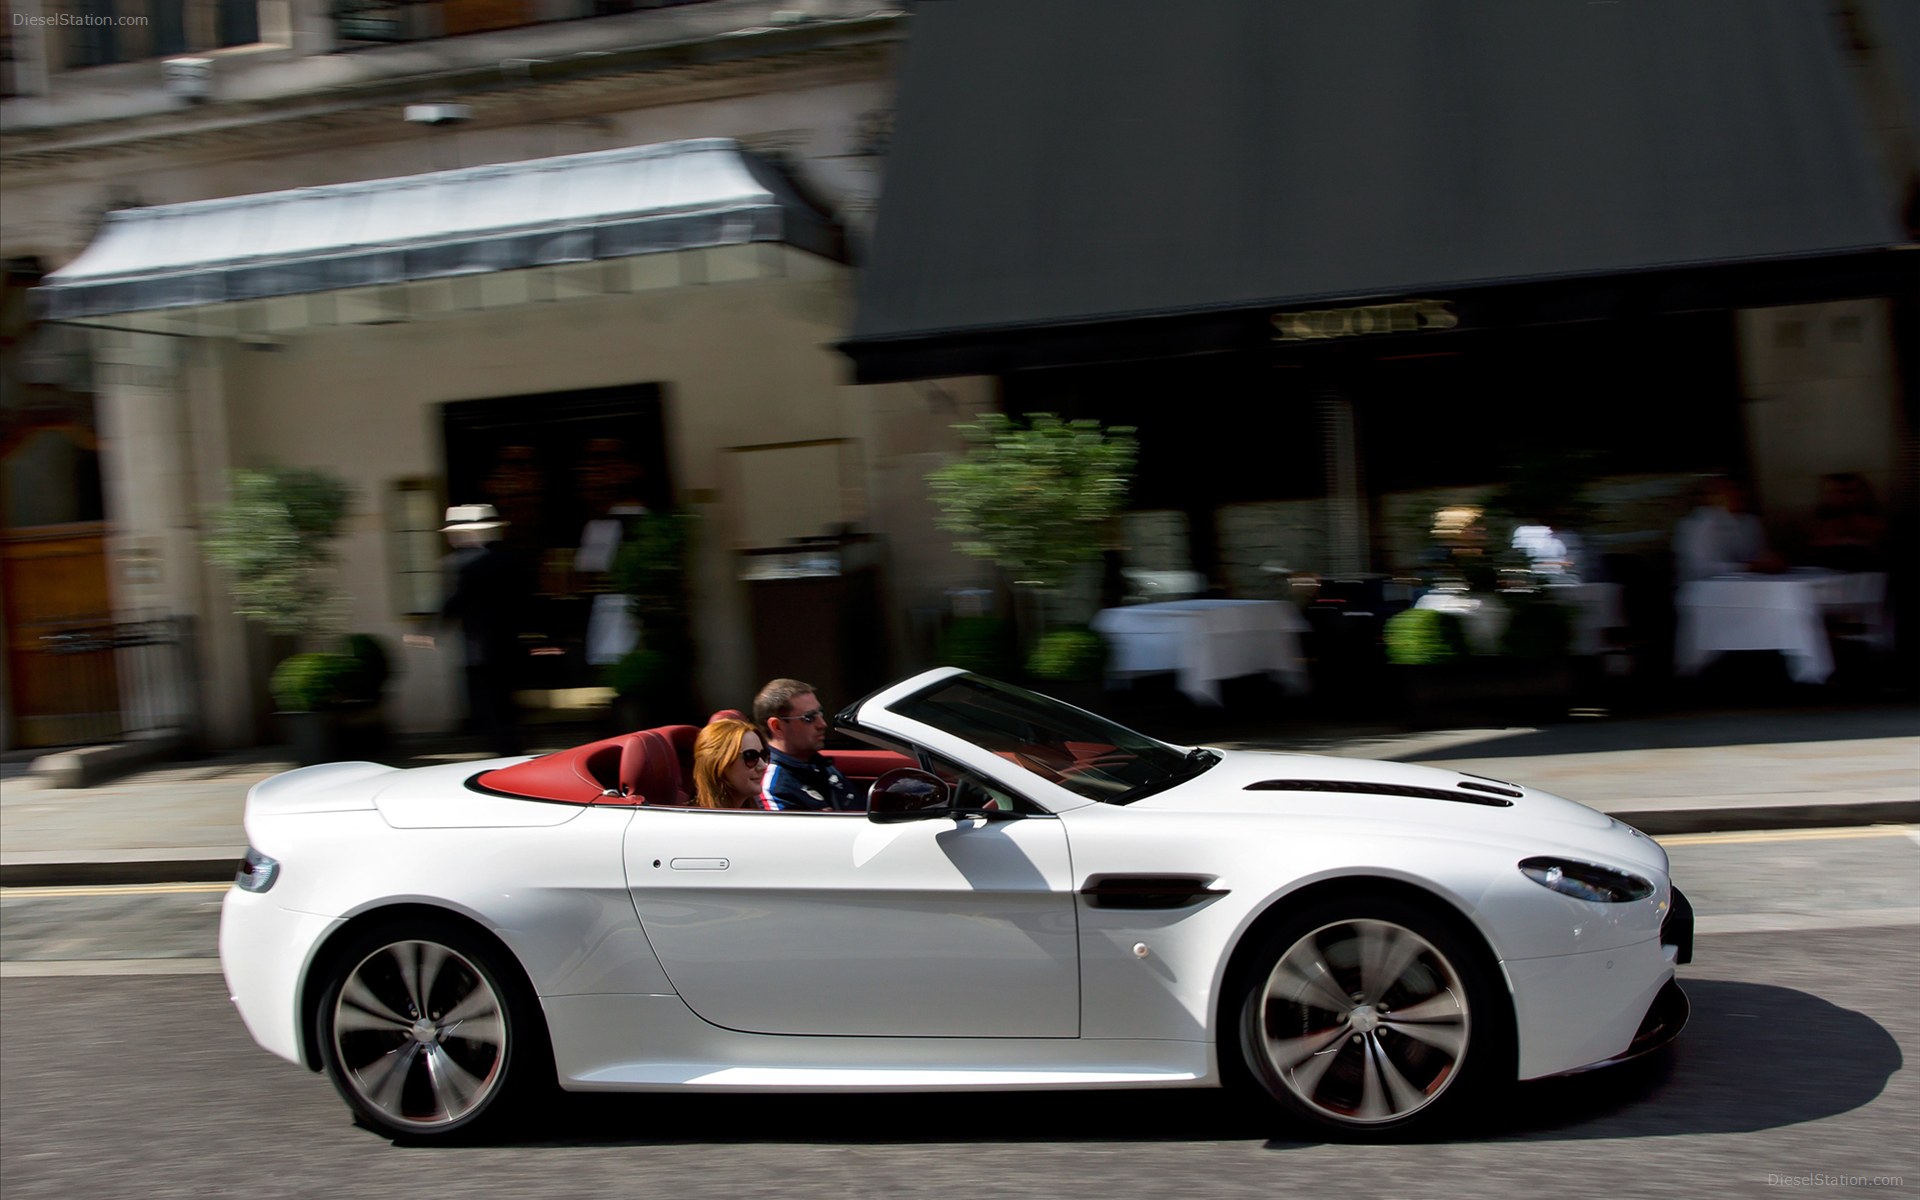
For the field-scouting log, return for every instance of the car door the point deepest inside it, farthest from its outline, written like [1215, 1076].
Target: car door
[823, 923]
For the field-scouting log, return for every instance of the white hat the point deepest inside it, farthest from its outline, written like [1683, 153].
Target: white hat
[473, 518]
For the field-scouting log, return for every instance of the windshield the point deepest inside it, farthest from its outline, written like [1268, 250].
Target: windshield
[1087, 755]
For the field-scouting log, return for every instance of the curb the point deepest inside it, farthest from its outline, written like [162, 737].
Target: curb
[1655, 823]
[90, 766]
[1659, 823]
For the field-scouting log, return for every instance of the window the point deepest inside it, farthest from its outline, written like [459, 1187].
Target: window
[1085, 754]
[119, 31]
[973, 790]
[415, 547]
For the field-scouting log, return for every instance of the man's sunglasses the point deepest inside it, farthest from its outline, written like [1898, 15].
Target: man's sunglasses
[754, 758]
[809, 718]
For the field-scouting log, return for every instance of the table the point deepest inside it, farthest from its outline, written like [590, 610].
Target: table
[1775, 612]
[1205, 641]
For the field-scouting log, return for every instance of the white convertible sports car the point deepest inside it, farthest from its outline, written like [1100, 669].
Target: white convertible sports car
[1036, 898]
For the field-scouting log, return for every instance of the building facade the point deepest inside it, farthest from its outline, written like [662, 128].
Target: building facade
[697, 375]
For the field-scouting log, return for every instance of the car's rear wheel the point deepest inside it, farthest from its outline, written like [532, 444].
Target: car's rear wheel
[425, 1030]
[1372, 1016]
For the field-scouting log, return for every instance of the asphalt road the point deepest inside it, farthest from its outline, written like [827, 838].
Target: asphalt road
[124, 1072]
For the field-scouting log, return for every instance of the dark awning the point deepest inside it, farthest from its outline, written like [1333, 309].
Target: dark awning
[1099, 179]
[370, 238]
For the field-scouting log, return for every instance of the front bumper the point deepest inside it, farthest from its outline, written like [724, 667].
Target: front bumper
[1576, 1011]
[1677, 929]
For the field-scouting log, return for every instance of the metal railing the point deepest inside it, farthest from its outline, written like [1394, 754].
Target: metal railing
[122, 680]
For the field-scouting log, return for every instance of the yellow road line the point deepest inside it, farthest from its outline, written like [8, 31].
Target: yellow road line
[127, 889]
[1785, 835]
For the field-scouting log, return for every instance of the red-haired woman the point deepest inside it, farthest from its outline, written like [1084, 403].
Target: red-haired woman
[728, 761]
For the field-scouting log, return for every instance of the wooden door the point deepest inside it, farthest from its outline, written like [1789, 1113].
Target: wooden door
[55, 585]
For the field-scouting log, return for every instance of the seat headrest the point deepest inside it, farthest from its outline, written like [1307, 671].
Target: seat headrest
[650, 769]
[681, 738]
[727, 714]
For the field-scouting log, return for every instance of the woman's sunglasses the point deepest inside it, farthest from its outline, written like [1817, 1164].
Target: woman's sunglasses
[753, 758]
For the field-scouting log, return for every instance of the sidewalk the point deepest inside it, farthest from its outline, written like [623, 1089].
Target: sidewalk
[1675, 774]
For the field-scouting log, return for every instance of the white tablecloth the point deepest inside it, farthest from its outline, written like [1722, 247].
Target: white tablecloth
[1774, 612]
[1205, 641]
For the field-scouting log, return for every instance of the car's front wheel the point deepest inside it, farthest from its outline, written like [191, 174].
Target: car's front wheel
[1372, 1016]
[425, 1030]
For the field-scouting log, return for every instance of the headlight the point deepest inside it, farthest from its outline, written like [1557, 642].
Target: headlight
[1585, 881]
[257, 872]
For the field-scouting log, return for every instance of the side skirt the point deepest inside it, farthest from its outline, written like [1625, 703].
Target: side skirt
[656, 1043]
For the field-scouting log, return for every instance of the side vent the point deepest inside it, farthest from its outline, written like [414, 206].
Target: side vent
[1377, 789]
[1148, 891]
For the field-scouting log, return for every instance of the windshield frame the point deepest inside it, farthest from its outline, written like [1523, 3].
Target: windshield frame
[1036, 737]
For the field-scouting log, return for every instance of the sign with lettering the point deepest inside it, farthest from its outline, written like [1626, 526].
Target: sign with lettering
[1408, 316]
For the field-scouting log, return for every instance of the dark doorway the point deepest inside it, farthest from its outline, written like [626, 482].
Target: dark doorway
[552, 462]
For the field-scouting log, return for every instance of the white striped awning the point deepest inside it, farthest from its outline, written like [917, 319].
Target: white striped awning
[576, 224]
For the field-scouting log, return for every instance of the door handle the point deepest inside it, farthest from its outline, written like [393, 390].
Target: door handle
[699, 864]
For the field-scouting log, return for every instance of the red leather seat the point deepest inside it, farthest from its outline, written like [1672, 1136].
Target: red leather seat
[650, 770]
[649, 766]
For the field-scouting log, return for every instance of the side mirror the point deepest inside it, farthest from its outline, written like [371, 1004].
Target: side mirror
[908, 794]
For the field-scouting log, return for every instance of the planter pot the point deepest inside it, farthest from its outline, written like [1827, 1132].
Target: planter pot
[336, 734]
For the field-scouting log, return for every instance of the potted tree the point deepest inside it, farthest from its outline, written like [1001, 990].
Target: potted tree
[274, 538]
[1033, 498]
[1069, 664]
[1427, 650]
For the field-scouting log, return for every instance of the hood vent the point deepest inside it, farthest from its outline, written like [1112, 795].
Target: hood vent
[1493, 787]
[1380, 789]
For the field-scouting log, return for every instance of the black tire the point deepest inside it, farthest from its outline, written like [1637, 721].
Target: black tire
[473, 1055]
[1373, 1017]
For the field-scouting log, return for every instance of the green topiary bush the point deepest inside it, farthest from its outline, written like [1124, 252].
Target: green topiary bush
[315, 682]
[1422, 637]
[1069, 656]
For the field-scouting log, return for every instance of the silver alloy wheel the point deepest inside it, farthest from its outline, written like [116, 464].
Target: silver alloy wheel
[419, 1034]
[1364, 1021]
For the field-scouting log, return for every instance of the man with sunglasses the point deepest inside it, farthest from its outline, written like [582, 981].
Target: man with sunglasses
[800, 777]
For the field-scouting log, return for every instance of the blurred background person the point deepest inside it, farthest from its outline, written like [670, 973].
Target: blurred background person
[488, 596]
[728, 761]
[1721, 536]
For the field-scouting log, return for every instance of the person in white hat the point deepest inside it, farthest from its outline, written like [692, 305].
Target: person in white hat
[488, 597]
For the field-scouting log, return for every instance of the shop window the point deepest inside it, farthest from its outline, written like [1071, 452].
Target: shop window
[169, 28]
[52, 478]
[120, 31]
[416, 547]
[94, 40]
[236, 23]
